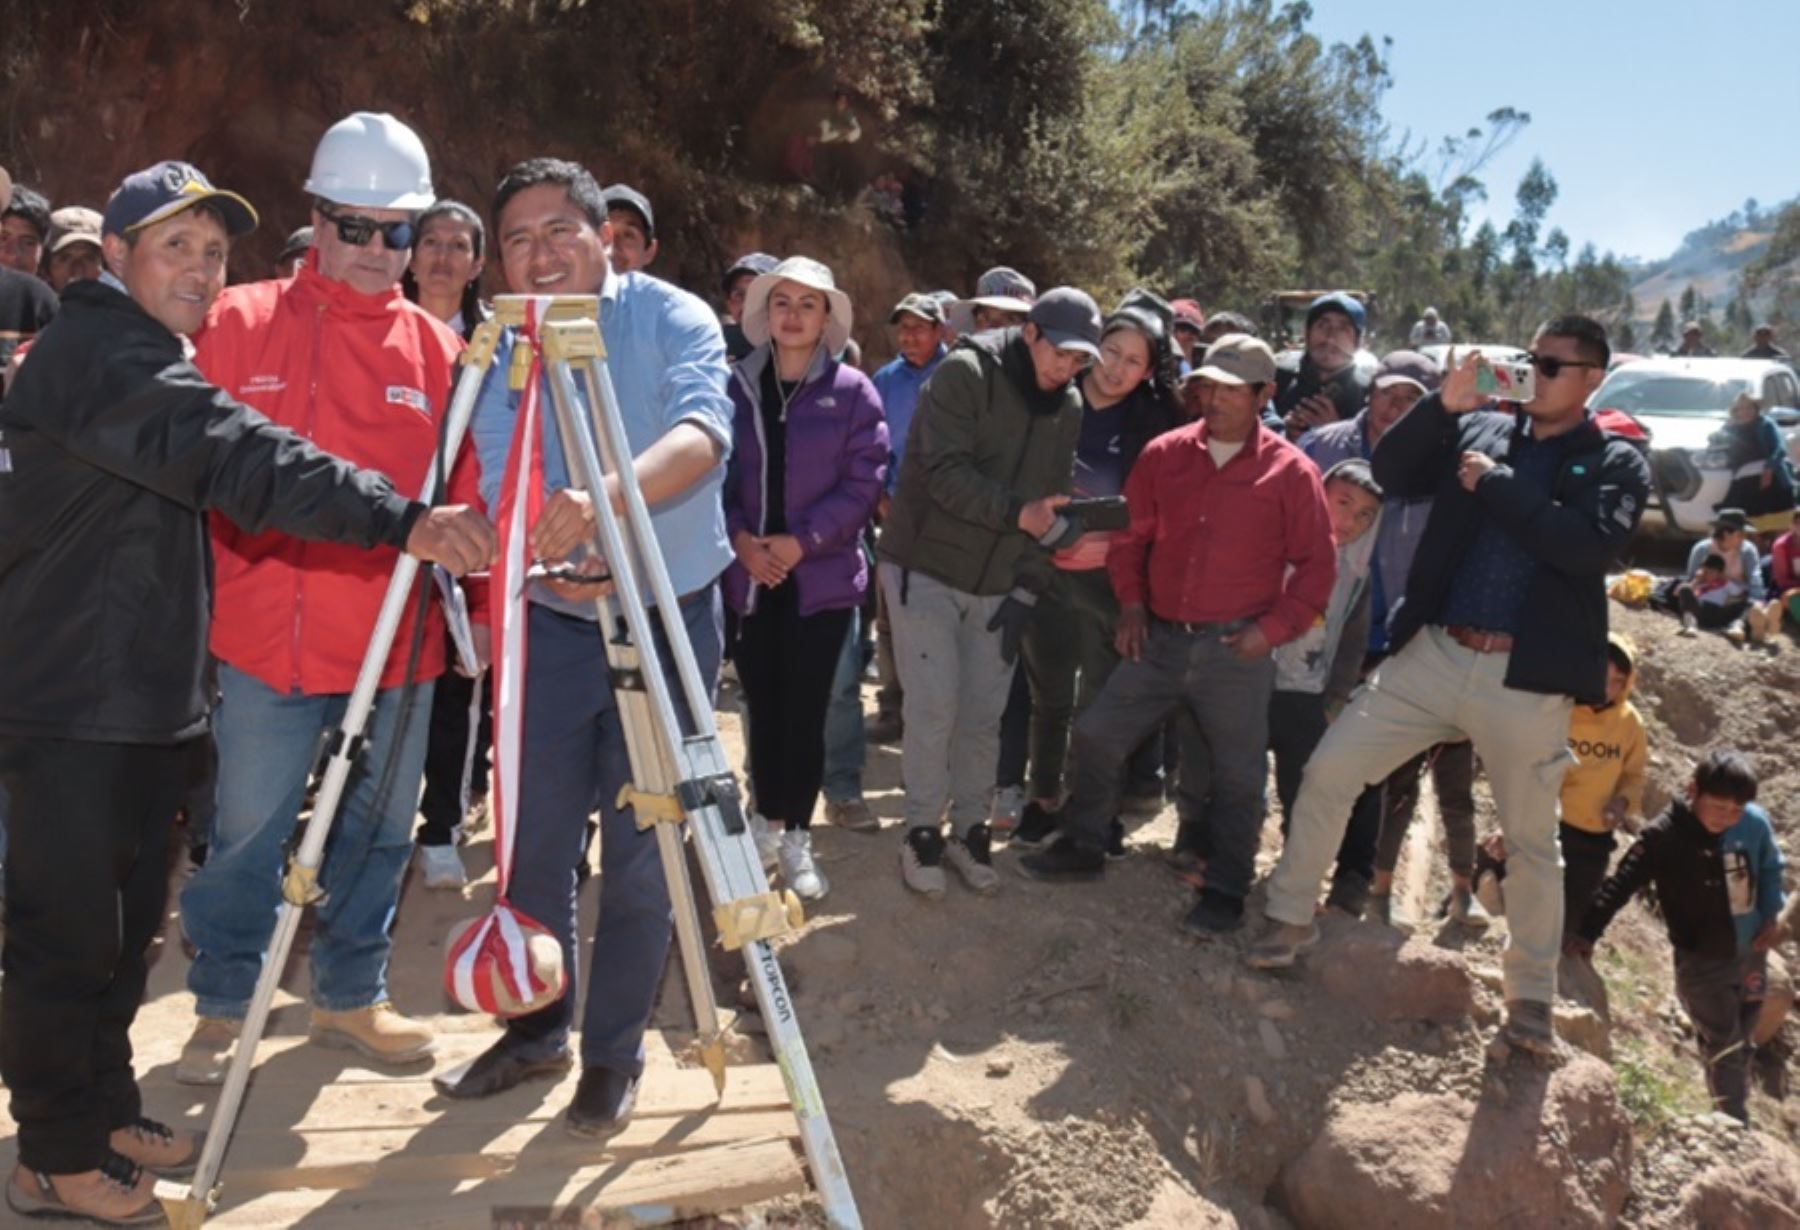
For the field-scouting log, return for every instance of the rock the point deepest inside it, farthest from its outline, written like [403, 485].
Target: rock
[1381, 974]
[999, 1066]
[1553, 1150]
[1271, 1040]
[1759, 1188]
[1276, 1009]
[1256, 1099]
[1583, 1027]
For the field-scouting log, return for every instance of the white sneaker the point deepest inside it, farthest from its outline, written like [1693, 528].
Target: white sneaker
[797, 866]
[443, 867]
[768, 842]
[1009, 803]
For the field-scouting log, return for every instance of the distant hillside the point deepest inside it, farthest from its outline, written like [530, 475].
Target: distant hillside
[1709, 259]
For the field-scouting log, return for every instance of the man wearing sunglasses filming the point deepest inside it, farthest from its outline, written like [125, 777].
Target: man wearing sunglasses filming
[340, 356]
[1501, 631]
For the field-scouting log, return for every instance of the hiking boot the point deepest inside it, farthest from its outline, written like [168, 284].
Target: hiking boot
[603, 1102]
[377, 1032]
[852, 814]
[1466, 909]
[1281, 945]
[1528, 1027]
[208, 1052]
[168, 1153]
[884, 728]
[1009, 802]
[1065, 860]
[768, 841]
[974, 862]
[797, 866]
[1349, 894]
[120, 1193]
[1115, 841]
[922, 861]
[1037, 824]
[443, 867]
[1214, 914]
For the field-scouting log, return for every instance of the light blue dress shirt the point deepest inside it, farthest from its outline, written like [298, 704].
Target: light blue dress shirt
[666, 357]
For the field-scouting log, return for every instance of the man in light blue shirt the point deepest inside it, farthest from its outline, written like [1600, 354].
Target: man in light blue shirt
[667, 362]
[918, 322]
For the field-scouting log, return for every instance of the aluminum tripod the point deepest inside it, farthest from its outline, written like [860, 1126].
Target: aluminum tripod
[676, 776]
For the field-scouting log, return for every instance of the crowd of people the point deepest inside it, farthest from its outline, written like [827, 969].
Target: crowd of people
[1099, 560]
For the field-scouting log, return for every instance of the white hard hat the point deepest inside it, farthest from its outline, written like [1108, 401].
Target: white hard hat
[373, 160]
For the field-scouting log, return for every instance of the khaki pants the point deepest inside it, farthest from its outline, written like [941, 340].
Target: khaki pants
[1434, 691]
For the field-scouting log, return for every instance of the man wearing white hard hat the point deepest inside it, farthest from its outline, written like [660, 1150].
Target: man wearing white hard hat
[339, 355]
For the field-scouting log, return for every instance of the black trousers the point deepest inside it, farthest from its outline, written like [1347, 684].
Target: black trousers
[786, 663]
[447, 751]
[87, 879]
[1585, 858]
[1297, 723]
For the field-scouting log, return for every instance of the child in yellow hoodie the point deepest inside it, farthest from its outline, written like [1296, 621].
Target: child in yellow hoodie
[1604, 792]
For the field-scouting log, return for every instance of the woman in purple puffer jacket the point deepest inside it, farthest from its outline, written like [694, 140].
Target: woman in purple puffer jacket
[809, 455]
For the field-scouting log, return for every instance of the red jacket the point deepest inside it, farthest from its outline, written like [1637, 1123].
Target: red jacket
[365, 377]
[1212, 545]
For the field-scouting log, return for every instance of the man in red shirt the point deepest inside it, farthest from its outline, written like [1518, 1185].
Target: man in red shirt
[337, 354]
[1228, 555]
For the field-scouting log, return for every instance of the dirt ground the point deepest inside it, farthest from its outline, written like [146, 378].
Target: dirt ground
[1065, 1056]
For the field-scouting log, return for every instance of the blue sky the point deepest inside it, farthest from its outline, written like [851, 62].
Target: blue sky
[1650, 114]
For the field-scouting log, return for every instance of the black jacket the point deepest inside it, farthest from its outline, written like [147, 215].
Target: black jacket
[116, 446]
[1576, 533]
[1296, 379]
[1685, 863]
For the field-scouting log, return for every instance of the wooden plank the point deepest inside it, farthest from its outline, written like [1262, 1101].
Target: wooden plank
[454, 1151]
[645, 1191]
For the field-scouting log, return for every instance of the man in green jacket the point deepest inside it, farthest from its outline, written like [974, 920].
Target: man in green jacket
[964, 555]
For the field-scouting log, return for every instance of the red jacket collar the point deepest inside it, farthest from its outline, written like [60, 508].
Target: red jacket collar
[312, 287]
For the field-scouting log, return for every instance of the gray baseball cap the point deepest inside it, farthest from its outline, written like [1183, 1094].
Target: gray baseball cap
[1237, 358]
[1069, 319]
[925, 307]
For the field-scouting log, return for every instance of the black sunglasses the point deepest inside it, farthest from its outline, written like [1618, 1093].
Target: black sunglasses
[356, 230]
[1550, 367]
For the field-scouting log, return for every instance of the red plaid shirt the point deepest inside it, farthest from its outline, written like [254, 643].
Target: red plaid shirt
[1211, 545]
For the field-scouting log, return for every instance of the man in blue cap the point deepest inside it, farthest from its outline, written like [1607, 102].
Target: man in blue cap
[1323, 382]
[117, 447]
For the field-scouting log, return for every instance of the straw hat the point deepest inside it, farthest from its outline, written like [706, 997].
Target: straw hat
[806, 272]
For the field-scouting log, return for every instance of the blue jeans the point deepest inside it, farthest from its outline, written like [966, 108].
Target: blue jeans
[845, 746]
[266, 741]
[574, 756]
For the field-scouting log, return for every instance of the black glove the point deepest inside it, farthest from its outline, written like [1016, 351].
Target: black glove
[1009, 621]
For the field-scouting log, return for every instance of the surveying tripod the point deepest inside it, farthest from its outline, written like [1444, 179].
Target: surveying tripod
[677, 777]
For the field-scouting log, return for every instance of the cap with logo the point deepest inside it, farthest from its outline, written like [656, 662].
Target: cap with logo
[624, 196]
[925, 307]
[1069, 319]
[73, 224]
[1004, 290]
[166, 189]
[1408, 367]
[1237, 358]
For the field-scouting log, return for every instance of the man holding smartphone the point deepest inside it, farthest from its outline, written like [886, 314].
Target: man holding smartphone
[1228, 554]
[1502, 630]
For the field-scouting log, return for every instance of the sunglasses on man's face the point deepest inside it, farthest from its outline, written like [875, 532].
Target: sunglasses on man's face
[1550, 367]
[356, 230]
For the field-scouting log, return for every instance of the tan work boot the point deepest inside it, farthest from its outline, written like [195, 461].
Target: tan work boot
[208, 1053]
[168, 1153]
[377, 1032]
[120, 1193]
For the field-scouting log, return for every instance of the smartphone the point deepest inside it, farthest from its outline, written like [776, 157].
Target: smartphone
[1105, 512]
[1506, 381]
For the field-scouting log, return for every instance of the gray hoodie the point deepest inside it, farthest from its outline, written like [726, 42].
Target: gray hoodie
[1328, 656]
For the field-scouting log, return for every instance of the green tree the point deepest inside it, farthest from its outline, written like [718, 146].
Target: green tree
[1662, 332]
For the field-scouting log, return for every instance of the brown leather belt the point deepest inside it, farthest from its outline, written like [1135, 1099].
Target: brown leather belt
[1480, 639]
